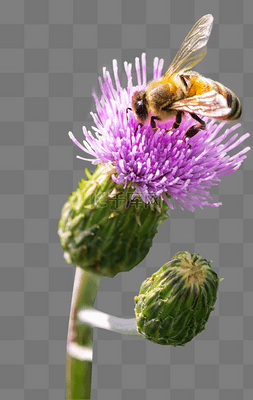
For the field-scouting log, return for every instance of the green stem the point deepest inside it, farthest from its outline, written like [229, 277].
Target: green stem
[79, 359]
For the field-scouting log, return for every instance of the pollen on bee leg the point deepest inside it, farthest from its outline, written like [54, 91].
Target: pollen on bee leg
[168, 130]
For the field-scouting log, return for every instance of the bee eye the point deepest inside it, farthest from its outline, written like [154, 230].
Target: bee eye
[141, 111]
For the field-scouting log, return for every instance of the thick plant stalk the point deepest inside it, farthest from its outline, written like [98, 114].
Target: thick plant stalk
[80, 337]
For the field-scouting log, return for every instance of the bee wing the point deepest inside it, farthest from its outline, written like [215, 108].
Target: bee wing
[210, 104]
[193, 47]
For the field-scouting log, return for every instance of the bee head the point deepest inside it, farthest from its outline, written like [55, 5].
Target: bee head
[140, 106]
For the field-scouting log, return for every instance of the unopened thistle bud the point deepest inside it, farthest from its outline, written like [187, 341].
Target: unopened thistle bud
[103, 230]
[174, 304]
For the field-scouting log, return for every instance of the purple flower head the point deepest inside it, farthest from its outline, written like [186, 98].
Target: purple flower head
[157, 163]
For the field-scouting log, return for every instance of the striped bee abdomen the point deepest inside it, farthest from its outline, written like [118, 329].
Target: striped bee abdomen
[232, 101]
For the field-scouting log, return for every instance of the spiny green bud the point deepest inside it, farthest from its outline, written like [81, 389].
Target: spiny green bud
[174, 305]
[102, 230]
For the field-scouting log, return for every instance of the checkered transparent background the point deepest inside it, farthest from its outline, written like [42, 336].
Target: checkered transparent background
[51, 53]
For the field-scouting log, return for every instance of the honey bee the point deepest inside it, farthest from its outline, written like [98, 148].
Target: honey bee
[179, 91]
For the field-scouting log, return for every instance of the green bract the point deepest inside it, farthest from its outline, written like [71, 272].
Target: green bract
[174, 305]
[102, 230]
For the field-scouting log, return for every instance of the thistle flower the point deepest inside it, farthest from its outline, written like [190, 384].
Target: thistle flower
[157, 163]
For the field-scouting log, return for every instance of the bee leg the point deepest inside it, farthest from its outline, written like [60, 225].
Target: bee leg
[202, 123]
[194, 129]
[178, 121]
[152, 121]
